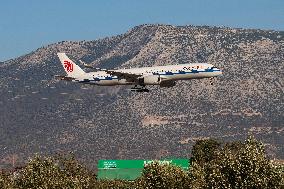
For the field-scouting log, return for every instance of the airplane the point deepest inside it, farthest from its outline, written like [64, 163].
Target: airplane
[164, 76]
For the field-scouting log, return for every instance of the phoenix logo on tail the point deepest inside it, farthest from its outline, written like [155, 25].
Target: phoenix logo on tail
[68, 66]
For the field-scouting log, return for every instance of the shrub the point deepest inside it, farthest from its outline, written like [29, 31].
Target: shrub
[113, 184]
[156, 175]
[6, 181]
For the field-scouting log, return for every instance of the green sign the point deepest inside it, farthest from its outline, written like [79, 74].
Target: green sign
[132, 169]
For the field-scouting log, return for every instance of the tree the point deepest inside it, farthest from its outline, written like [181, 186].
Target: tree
[205, 150]
[48, 172]
[235, 165]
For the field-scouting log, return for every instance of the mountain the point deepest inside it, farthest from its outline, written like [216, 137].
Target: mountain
[41, 115]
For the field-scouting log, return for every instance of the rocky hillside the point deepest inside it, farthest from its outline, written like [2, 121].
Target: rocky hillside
[41, 115]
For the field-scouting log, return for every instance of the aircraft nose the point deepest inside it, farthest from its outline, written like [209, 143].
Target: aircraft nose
[217, 71]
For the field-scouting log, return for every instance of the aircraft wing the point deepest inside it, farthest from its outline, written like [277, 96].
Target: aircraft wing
[122, 75]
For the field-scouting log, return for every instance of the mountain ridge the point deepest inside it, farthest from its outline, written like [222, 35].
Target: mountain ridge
[40, 114]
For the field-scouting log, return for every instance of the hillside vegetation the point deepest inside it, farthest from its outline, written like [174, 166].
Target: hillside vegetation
[215, 165]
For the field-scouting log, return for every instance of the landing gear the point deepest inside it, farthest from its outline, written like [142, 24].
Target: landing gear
[211, 80]
[139, 89]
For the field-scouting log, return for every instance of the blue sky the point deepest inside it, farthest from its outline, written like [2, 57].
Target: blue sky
[26, 25]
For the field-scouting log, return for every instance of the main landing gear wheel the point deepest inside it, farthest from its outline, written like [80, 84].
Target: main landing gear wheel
[139, 89]
[211, 80]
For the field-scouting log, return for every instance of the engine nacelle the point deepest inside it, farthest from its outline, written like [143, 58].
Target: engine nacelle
[150, 80]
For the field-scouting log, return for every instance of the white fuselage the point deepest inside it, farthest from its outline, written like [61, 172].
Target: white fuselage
[165, 73]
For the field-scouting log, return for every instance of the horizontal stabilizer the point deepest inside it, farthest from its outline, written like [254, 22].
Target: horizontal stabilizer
[62, 77]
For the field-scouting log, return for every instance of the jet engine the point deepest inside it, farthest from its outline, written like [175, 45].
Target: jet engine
[150, 80]
[156, 80]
